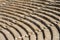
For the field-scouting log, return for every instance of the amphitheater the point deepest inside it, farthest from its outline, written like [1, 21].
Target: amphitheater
[29, 20]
